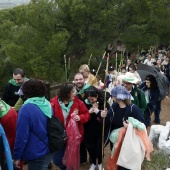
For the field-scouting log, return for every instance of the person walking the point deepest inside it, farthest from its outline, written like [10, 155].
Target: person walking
[121, 109]
[93, 128]
[31, 133]
[138, 96]
[152, 94]
[10, 94]
[66, 106]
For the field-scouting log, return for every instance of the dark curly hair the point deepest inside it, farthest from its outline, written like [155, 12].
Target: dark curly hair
[65, 91]
[33, 88]
[152, 80]
[132, 66]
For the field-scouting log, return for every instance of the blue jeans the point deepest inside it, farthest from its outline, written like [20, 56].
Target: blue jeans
[58, 157]
[40, 163]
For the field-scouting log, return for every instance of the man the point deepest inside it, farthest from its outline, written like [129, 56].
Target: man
[10, 94]
[138, 96]
[81, 87]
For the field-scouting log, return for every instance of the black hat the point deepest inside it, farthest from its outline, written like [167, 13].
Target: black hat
[111, 68]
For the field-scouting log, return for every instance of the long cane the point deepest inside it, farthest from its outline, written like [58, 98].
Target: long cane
[65, 64]
[107, 64]
[100, 63]
[89, 60]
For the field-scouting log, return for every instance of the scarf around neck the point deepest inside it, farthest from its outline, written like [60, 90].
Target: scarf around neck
[85, 87]
[12, 81]
[5, 108]
[43, 104]
[67, 109]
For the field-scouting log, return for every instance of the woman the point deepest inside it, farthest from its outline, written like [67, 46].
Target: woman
[31, 134]
[132, 69]
[152, 94]
[64, 105]
[121, 110]
[8, 120]
[93, 128]
[88, 77]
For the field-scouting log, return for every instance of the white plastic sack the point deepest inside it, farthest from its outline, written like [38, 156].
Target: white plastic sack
[164, 140]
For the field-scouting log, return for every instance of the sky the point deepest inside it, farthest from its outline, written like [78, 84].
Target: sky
[11, 3]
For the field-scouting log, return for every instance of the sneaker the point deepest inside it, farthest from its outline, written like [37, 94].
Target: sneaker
[92, 167]
[100, 167]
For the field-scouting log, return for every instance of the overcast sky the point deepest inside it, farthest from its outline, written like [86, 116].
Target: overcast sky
[11, 3]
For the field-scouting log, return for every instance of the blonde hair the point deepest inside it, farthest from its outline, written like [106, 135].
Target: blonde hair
[84, 67]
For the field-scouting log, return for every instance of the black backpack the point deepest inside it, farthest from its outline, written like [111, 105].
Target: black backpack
[57, 136]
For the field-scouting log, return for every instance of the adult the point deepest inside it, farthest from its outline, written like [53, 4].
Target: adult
[132, 69]
[149, 61]
[152, 94]
[88, 77]
[80, 88]
[31, 134]
[10, 94]
[121, 110]
[67, 106]
[138, 96]
[93, 128]
[8, 120]
[128, 62]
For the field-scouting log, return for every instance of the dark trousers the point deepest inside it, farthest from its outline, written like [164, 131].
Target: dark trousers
[157, 112]
[94, 146]
[83, 152]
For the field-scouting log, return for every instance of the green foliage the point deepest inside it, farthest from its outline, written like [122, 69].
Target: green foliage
[159, 161]
[36, 36]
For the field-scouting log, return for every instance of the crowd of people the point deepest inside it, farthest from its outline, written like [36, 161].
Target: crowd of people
[88, 101]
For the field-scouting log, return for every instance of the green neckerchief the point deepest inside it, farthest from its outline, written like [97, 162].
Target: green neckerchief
[85, 87]
[42, 103]
[136, 123]
[12, 81]
[87, 101]
[67, 109]
[5, 108]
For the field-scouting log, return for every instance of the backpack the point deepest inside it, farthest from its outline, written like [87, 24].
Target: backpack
[56, 132]
[57, 135]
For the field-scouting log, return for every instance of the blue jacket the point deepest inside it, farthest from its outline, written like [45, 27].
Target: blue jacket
[153, 98]
[31, 122]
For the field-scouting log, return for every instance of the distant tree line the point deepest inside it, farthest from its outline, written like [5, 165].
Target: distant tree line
[36, 36]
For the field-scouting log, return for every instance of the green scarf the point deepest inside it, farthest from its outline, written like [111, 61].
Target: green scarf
[12, 81]
[67, 109]
[42, 103]
[87, 101]
[85, 87]
[5, 108]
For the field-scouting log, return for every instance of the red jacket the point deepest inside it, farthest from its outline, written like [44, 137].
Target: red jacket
[77, 104]
[8, 122]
